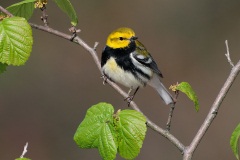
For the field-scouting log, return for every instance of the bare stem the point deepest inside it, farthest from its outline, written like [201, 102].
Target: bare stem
[170, 115]
[24, 150]
[212, 113]
[168, 125]
[5, 11]
[228, 54]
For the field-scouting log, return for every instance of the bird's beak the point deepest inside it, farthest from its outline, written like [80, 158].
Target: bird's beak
[133, 38]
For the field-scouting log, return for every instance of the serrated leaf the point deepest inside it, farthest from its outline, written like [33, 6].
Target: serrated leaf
[89, 131]
[2, 67]
[234, 141]
[97, 131]
[66, 6]
[107, 146]
[122, 132]
[15, 41]
[22, 9]
[131, 126]
[186, 88]
[23, 159]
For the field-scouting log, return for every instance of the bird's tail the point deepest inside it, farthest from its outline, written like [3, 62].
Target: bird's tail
[161, 89]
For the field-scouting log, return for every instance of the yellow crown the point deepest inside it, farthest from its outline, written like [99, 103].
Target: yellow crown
[120, 38]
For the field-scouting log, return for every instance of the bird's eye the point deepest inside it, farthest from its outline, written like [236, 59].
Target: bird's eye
[121, 38]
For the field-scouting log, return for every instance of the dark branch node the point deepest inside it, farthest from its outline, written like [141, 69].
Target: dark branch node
[215, 112]
[73, 36]
[74, 32]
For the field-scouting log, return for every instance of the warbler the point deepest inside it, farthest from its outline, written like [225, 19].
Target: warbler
[125, 60]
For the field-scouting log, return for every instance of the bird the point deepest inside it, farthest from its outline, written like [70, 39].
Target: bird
[126, 61]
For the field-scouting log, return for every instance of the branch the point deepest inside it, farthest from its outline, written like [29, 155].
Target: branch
[228, 54]
[212, 113]
[5, 11]
[168, 125]
[24, 150]
[170, 115]
[93, 53]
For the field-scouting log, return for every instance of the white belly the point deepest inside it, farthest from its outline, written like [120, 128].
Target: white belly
[114, 72]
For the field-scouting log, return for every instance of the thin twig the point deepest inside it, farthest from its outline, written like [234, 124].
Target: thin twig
[228, 54]
[212, 113]
[51, 31]
[5, 11]
[95, 45]
[170, 115]
[167, 135]
[44, 16]
[168, 125]
[24, 150]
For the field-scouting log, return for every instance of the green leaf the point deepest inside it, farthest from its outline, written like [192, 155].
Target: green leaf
[15, 41]
[67, 7]
[234, 141]
[107, 145]
[123, 132]
[96, 131]
[188, 90]
[23, 159]
[22, 9]
[2, 67]
[131, 127]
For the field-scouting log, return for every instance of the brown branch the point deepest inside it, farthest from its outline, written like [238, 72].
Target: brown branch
[212, 113]
[5, 11]
[168, 125]
[170, 115]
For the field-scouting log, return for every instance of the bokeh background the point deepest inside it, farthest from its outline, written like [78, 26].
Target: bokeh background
[44, 101]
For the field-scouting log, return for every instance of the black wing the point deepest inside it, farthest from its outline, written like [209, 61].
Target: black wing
[142, 56]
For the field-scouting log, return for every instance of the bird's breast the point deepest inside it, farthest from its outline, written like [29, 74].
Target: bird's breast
[119, 75]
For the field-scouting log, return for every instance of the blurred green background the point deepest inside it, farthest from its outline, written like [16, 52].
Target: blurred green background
[44, 101]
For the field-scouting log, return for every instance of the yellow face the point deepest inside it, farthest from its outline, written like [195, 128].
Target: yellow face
[120, 38]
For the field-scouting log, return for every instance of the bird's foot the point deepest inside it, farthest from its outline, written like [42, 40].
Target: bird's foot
[105, 78]
[129, 99]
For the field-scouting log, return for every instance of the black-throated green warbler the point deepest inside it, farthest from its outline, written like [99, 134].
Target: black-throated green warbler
[126, 61]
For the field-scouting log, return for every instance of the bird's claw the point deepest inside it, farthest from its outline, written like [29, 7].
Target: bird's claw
[129, 99]
[104, 79]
